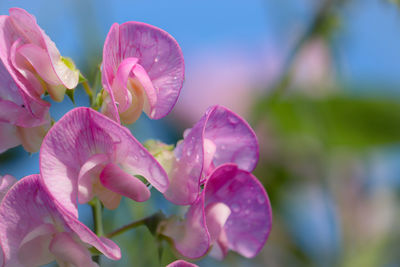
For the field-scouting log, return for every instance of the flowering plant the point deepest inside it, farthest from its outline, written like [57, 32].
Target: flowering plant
[89, 156]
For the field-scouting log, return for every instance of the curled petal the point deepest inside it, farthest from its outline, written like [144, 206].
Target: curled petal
[115, 179]
[249, 223]
[190, 237]
[25, 217]
[75, 139]
[27, 28]
[219, 137]
[160, 67]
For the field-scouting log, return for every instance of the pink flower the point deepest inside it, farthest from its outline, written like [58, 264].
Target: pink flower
[29, 64]
[6, 182]
[86, 154]
[143, 69]
[232, 213]
[32, 59]
[34, 230]
[181, 263]
[219, 137]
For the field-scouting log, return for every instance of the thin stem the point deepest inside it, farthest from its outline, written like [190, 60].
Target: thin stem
[97, 216]
[88, 91]
[150, 221]
[125, 228]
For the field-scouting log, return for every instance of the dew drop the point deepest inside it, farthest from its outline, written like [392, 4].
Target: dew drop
[156, 59]
[235, 207]
[223, 147]
[233, 119]
[260, 199]
[247, 212]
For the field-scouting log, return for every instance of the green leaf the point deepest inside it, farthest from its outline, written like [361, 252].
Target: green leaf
[336, 120]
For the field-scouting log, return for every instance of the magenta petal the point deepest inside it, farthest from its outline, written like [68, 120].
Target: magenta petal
[27, 29]
[26, 207]
[75, 138]
[181, 263]
[6, 182]
[160, 58]
[190, 237]
[249, 224]
[118, 181]
[219, 137]
[185, 176]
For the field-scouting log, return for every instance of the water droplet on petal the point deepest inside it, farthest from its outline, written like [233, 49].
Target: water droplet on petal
[233, 119]
[260, 199]
[235, 207]
[247, 212]
[156, 59]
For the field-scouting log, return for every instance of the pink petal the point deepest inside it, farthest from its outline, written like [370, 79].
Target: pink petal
[27, 28]
[6, 182]
[181, 263]
[249, 223]
[82, 133]
[89, 172]
[26, 207]
[8, 136]
[40, 61]
[185, 176]
[115, 179]
[216, 215]
[219, 137]
[159, 55]
[67, 250]
[34, 248]
[190, 237]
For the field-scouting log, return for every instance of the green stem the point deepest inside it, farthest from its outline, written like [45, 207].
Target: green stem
[97, 216]
[151, 222]
[88, 91]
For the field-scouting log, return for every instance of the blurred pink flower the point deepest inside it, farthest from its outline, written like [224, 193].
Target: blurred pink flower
[143, 69]
[181, 263]
[34, 230]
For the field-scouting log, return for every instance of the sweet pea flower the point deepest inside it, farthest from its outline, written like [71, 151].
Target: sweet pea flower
[181, 263]
[85, 154]
[24, 119]
[34, 230]
[6, 182]
[219, 137]
[32, 59]
[232, 213]
[143, 69]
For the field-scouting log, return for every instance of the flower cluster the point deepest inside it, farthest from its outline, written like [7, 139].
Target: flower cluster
[91, 157]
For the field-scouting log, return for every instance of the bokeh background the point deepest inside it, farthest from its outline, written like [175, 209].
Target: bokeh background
[319, 82]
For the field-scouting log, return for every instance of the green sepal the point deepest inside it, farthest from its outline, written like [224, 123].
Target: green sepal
[71, 93]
